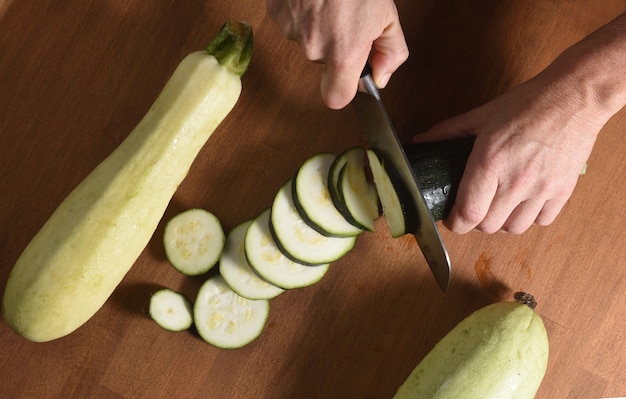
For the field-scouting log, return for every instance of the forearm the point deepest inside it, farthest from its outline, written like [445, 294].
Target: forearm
[596, 69]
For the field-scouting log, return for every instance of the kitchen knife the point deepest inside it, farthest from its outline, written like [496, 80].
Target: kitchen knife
[382, 137]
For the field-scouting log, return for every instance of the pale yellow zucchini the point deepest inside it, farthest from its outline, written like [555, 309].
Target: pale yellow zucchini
[80, 255]
[498, 352]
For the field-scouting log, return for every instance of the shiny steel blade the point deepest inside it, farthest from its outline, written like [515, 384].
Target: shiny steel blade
[382, 136]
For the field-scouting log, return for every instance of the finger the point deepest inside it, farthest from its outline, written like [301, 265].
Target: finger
[473, 199]
[340, 79]
[456, 127]
[550, 211]
[505, 202]
[389, 52]
[523, 216]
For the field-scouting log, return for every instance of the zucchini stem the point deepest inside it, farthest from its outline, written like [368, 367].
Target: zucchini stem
[525, 299]
[232, 47]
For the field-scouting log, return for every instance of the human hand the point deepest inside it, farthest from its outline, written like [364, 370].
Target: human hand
[342, 34]
[531, 145]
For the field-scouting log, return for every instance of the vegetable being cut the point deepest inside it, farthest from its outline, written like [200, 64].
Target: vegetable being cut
[438, 167]
[396, 202]
[193, 241]
[84, 250]
[225, 319]
[499, 351]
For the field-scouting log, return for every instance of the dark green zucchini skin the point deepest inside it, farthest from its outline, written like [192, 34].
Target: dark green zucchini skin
[438, 167]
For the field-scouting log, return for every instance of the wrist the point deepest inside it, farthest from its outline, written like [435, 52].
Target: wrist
[595, 68]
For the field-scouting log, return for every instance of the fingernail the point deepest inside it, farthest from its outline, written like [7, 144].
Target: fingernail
[384, 80]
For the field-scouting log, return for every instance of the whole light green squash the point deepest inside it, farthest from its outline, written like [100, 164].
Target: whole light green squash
[84, 250]
[499, 351]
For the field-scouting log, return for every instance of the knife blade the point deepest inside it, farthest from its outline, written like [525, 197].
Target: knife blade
[382, 136]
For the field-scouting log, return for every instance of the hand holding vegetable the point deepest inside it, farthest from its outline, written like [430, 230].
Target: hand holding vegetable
[342, 34]
[532, 142]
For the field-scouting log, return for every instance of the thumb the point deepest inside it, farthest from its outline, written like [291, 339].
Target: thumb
[389, 52]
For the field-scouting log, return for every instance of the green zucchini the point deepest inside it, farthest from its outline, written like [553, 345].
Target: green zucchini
[438, 167]
[499, 351]
[84, 250]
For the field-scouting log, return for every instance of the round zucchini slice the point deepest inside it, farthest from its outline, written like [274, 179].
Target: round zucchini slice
[225, 319]
[193, 241]
[236, 270]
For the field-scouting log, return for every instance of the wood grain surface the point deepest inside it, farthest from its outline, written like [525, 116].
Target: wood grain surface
[75, 78]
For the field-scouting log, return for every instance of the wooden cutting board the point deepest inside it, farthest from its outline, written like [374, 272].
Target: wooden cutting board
[76, 76]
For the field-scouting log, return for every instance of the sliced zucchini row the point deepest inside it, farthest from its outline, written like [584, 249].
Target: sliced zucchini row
[397, 204]
[236, 271]
[357, 195]
[193, 241]
[313, 200]
[171, 310]
[225, 319]
[298, 240]
[268, 261]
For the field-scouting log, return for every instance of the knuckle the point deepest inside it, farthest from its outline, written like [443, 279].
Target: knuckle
[470, 215]
[401, 55]
[488, 228]
[515, 229]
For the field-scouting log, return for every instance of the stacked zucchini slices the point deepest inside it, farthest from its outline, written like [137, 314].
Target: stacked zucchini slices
[314, 220]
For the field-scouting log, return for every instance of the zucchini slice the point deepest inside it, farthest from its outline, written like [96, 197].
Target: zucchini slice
[267, 260]
[357, 195]
[397, 204]
[313, 200]
[297, 239]
[225, 319]
[333, 180]
[193, 241]
[236, 271]
[171, 310]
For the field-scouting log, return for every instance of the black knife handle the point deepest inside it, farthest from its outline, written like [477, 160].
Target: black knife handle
[367, 84]
[438, 167]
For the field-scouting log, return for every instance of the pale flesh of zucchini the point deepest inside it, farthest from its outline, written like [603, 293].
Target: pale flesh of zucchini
[84, 250]
[271, 264]
[171, 310]
[297, 239]
[193, 241]
[393, 210]
[225, 319]
[236, 271]
[358, 194]
[353, 195]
